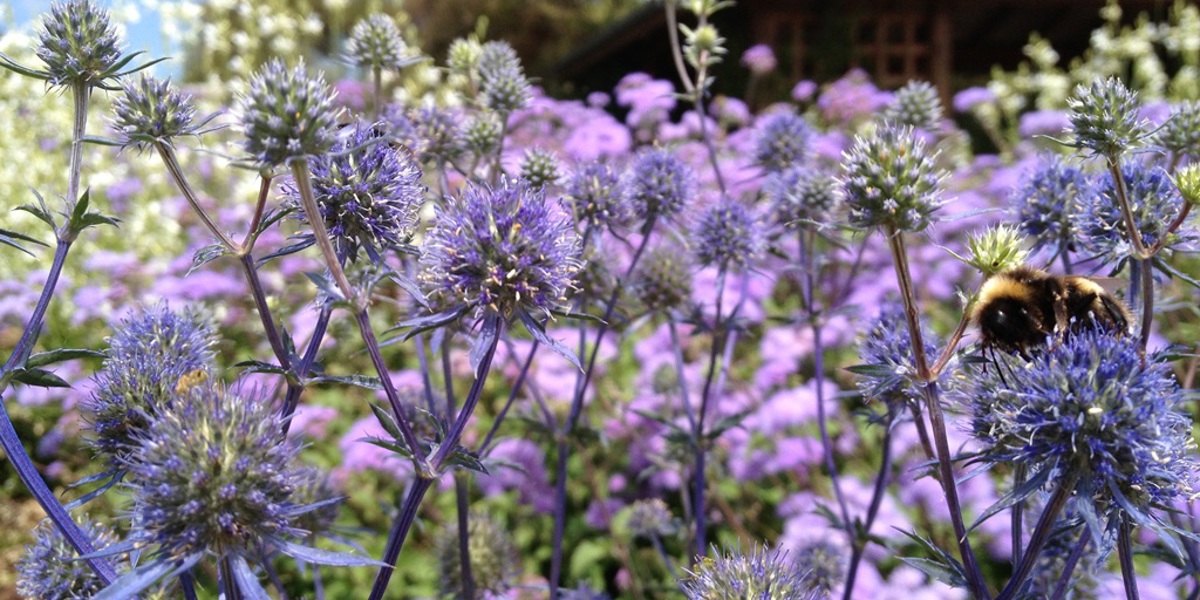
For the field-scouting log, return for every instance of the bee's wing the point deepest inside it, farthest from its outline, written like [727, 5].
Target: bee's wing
[1113, 285]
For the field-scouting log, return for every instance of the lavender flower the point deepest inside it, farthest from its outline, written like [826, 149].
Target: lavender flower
[494, 564]
[502, 83]
[152, 111]
[663, 280]
[287, 115]
[916, 104]
[728, 235]
[972, 97]
[214, 473]
[539, 168]
[369, 193]
[891, 181]
[376, 42]
[1105, 118]
[1048, 202]
[1152, 200]
[151, 351]
[801, 194]
[597, 197]
[1180, 135]
[51, 569]
[782, 142]
[761, 574]
[1091, 406]
[759, 59]
[500, 251]
[658, 184]
[78, 43]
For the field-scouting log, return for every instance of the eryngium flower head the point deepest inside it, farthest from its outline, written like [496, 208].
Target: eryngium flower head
[500, 250]
[376, 43]
[597, 197]
[151, 110]
[494, 563]
[78, 44]
[315, 489]
[887, 370]
[287, 114]
[663, 280]
[1105, 117]
[996, 249]
[432, 133]
[1153, 200]
[539, 167]
[728, 235]
[761, 574]
[823, 564]
[214, 473]
[916, 104]
[1090, 406]
[1180, 135]
[502, 83]
[51, 569]
[481, 135]
[369, 193]
[890, 180]
[1048, 203]
[463, 56]
[801, 194]
[782, 142]
[650, 518]
[658, 184]
[149, 353]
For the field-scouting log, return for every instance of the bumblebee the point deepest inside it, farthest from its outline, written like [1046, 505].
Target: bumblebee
[1022, 309]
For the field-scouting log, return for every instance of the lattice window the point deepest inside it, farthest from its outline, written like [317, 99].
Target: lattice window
[789, 34]
[893, 47]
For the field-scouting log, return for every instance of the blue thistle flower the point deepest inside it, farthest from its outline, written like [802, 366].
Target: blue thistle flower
[151, 110]
[51, 569]
[376, 43]
[539, 168]
[658, 184]
[823, 564]
[916, 104]
[1153, 200]
[369, 194]
[150, 351]
[1048, 202]
[650, 518]
[890, 180]
[502, 83]
[500, 251]
[287, 114]
[782, 142]
[663, 280]
[887, 368]
[1105, 118]
[1091, 406]
[1180, 135]
[432, 133]
[801, 194]
[728, 235]
[78, 43]
[494, 562]
[596, 196]
[214, 474]
[761, 574]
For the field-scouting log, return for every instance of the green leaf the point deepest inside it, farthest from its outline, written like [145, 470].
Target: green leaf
[461, 457]
[39, 378]
[386, 421]
[362, 381]
[12, 238]
[8, 63]
[433, 321]
[286, 250]
[325, 285]
[538, 331]
[1021, 492]
[872, 371]
[258, 366]
[323, 557]
[40, 211]
[206, 255]
[42, 359]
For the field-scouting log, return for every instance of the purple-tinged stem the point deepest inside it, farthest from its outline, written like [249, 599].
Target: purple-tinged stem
[171, 162]
[676, 53]
[1125, 556]
[699, 446]
[1147, 305]
[462, 504]
[426, 378]
[1041, 533]
[1017, 528]
[292, 399]
[187, 585]
[881, 484]
[312, 212]
[975, 582]
[400, 527]
[512, 397]
[1064, 582]
[677, 348]
[81, 95]
[264, 312]
[389, 388]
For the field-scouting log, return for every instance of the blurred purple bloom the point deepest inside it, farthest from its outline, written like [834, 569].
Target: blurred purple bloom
[971, 97]
[760, 59]
[1044, 122]
[804, 90]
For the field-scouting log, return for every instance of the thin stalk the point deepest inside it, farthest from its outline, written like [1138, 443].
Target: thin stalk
[171, 162]
[226, 582]
[662, 552]
[975, 582]
[308, 201]
[1147, 305]
[260, 206]
[468, 407]
[808, 263]
[881, 484]
[677, 349]
[1125, 556]
[264, 312]
[377, 80]
[1064, 256]
[447, 378]
[676, 52]
[1064, 582]
[81, 95]
[562, 451]
[1179, 219]
[512, 396]
[292, 399]
[462, 504]
[396, 536]
[698, 443]
[187, 585]
[1135, 234]
[1041, 533]
[389, 388]
[1016, 528]
[426, 379]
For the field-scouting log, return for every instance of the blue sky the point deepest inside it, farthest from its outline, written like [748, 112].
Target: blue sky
[144, 34]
